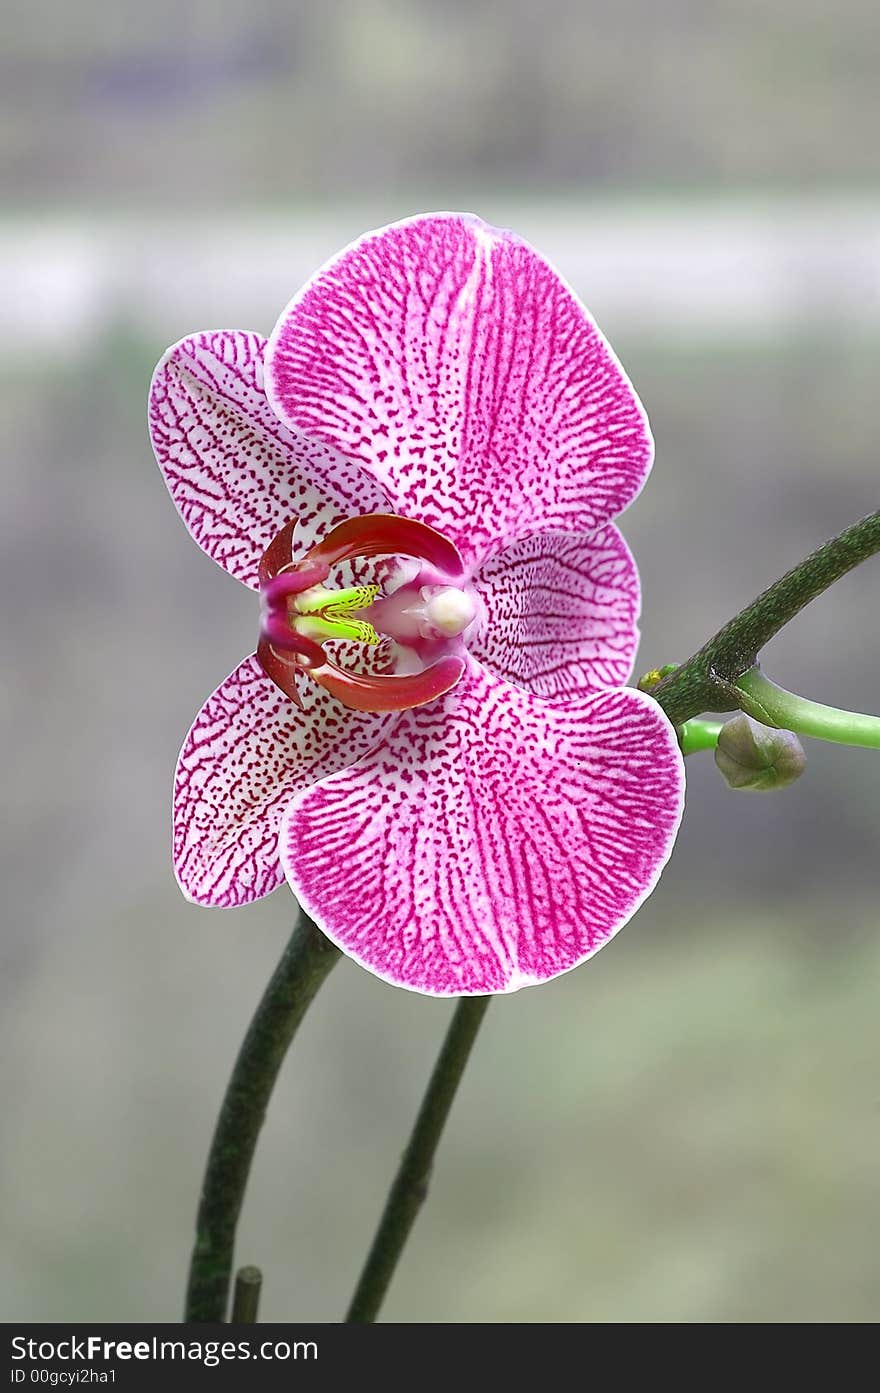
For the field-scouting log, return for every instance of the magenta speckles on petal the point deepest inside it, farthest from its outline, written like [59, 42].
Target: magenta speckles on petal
[493, 840]
[249, 750]
[235, 473]
[455, 365]
[561, 612]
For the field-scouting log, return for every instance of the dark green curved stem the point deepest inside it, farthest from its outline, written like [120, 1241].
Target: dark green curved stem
[410, 1187]
[707, 681]
[306, 961]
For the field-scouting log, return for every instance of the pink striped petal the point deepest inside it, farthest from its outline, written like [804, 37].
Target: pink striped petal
[235, 473]
[561, 612]
[454, 363]
[493, 840]
[250, 749]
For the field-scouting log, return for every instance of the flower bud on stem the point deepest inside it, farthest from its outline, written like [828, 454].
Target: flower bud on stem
[754, 756]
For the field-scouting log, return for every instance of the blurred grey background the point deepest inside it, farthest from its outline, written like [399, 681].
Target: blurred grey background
[687, 1129]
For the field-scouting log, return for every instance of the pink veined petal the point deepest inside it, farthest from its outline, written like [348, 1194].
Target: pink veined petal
[560, 612]
[456, 365]
[249, 750]
[492, 840]
[235, 473]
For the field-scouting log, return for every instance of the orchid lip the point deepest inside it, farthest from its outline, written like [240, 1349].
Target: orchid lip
[393, 692]
[298, 611]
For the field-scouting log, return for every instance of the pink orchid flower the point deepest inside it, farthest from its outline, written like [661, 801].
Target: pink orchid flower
[418, 471]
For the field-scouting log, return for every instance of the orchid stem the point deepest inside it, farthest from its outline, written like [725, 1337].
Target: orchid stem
[305, 963]
[707, 681]
[699, 735]
[776, 707]
[410, 1186]
[246, 1299]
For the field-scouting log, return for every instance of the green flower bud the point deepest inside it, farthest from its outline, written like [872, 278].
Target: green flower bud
[754, 756]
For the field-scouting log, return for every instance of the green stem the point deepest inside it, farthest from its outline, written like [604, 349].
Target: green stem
[707, 681]
[776, 707]
[699, 735]
[304, 965]
[410, 1186]
[246, 1298]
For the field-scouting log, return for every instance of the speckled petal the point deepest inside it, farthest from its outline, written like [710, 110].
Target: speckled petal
[249, 750]
[235, 473]
[560, 612]
[492, 840]
[454, 363]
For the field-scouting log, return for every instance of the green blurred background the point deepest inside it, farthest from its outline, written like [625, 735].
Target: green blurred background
[687, 1129]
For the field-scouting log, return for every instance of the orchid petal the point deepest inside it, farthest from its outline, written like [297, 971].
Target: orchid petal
[459, 369]
[234, 472]
[248, 752]
[492, 840]
[560, 612]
